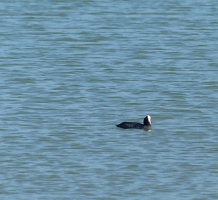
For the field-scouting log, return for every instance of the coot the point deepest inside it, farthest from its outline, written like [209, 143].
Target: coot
[126, 125]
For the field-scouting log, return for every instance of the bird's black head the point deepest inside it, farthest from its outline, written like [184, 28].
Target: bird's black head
[147, 120]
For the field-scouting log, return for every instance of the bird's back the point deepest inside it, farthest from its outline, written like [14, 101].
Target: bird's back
[127, 125]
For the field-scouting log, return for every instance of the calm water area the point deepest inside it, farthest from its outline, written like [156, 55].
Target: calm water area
[71, 70]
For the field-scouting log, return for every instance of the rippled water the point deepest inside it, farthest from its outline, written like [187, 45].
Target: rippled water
[71, 70]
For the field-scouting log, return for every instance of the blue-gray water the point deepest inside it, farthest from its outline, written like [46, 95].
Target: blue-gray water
[71, 70]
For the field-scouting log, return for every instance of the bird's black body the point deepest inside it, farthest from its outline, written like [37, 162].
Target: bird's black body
[127, 125]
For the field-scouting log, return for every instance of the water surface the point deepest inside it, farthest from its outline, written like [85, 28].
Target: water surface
[71, 70]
